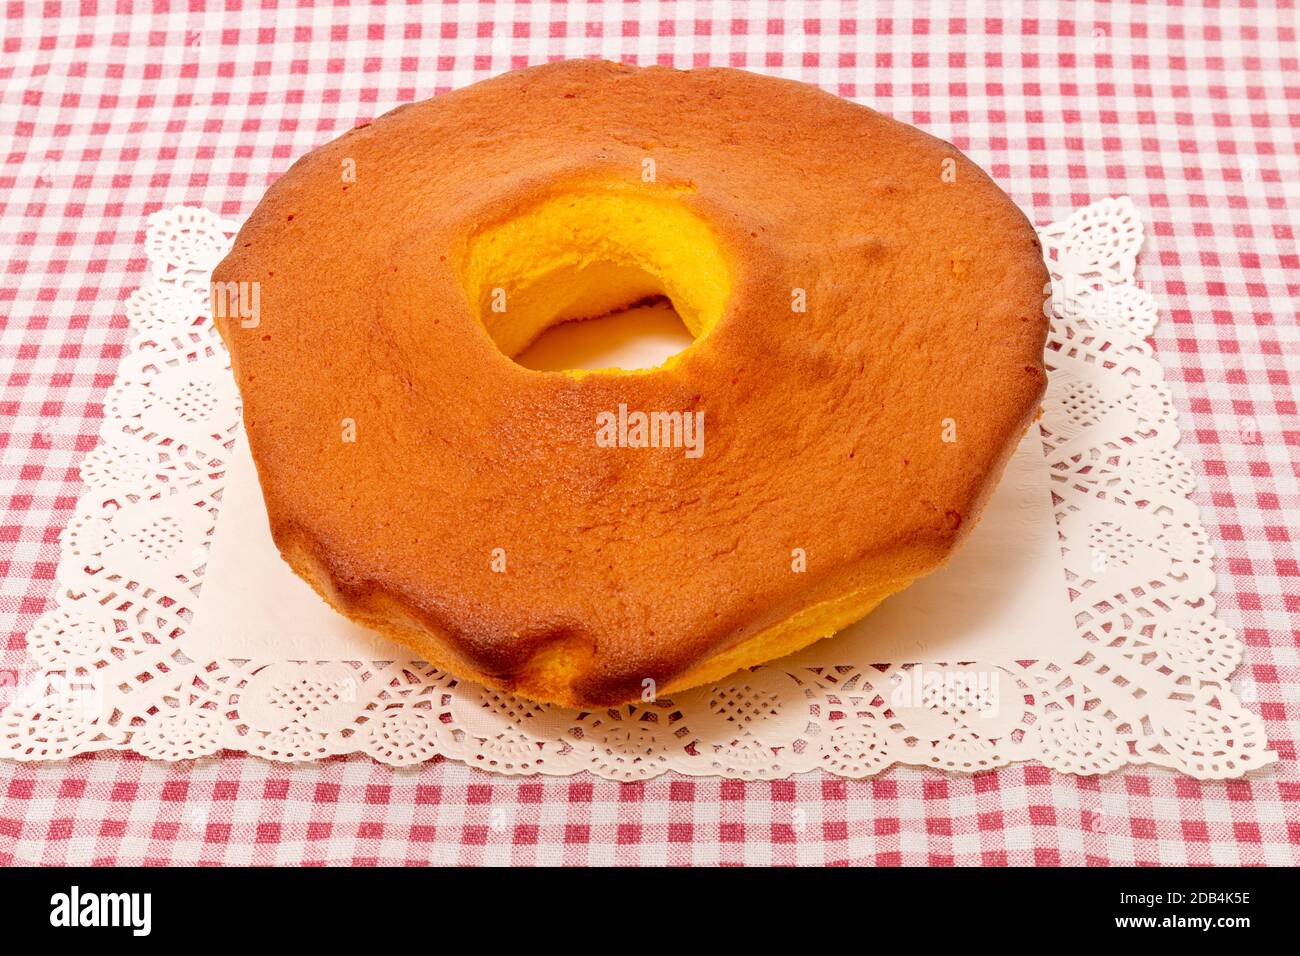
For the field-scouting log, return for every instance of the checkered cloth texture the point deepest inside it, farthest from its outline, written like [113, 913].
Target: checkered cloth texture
[111, 110]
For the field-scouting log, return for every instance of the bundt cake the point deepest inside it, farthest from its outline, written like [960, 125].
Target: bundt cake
[867, 307]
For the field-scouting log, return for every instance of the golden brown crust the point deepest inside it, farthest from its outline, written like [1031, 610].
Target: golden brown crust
[924, 293]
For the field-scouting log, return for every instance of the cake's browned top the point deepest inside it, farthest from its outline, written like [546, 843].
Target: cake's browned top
[925, 293]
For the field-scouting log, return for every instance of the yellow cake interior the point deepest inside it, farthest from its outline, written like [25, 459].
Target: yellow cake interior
[588, 253]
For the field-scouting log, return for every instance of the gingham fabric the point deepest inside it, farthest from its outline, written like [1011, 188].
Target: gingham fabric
[111, 110]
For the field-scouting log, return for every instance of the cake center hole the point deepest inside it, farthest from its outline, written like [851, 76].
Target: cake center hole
[597, 280]
[644, 335]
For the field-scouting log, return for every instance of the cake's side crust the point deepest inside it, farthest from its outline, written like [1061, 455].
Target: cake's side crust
[560, 673]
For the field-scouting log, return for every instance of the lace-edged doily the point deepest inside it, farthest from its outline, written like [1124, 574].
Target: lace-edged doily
[1146, 681]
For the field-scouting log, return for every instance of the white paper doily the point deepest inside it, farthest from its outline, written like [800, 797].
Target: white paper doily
[1143, 677]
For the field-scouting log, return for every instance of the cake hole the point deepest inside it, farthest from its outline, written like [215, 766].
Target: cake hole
[645, 335]
[609, 280]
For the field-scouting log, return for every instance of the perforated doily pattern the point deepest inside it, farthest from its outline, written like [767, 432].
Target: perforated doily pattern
[1145, 683]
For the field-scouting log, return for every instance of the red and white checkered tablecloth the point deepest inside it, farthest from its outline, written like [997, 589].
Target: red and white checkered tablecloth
[111, 109]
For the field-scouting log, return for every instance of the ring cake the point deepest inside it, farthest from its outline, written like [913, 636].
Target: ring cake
[867, 307]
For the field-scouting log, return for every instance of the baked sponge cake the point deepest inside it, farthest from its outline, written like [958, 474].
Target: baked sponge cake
[867, 307]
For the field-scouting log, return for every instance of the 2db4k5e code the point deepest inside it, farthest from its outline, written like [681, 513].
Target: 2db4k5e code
[1212, 898]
